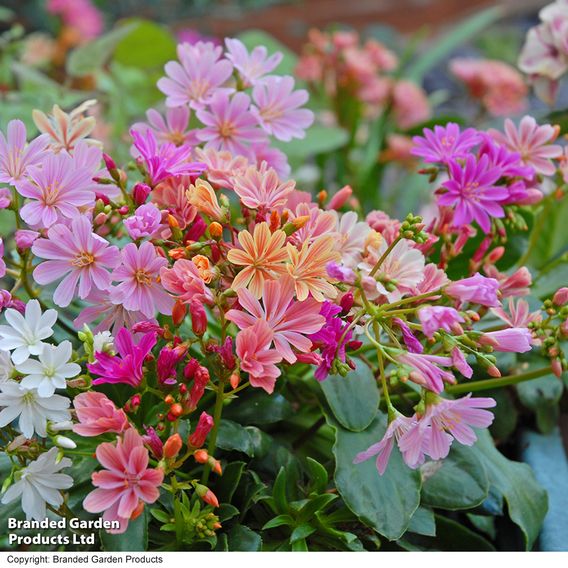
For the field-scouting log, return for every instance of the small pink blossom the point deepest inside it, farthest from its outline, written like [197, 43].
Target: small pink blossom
[426, 370]
[221, 167]
[260, 188]
[410, 104]
[97, 415]
[477, 289]
[173, 128]
[434, 318]
[145, 222]
[512, 340]
[254, 65]
[185, 282]
[520, 315]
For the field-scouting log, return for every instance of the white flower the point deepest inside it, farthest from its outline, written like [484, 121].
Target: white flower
[6, 366]
[103, 342]
[33, 411]
[39, 483]
[26, 334]
[351, 238]
[50, 372]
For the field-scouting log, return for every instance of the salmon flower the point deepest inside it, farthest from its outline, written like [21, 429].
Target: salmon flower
[262, 255]
[203, 197]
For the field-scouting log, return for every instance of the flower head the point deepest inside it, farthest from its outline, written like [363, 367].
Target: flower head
[433, 318]
[97, 415]
[445, 143]
[254, 65]
[476, 289]
[145, 222]
[260, 188]
[185, 282]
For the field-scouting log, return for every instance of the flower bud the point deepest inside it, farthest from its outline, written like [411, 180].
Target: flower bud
[140, 193]
[25, 238]
[234, 380]
[60, 426]
[197, 439]
[172, 446]
[198, 318]
[215, 230]
[556, 367]
[179, 312]
[109, 163]
[65, 442]
[340, 198]
[201, 456]
[176, 410]
[206, 494]
[493, 371]
[561, 296]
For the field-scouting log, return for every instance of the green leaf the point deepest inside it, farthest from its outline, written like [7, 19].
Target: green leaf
[279, 521]
[319, 503]
[226, 512]
[527, 501]
[423, 522]
[542, 396]
[243, 539]
[135, 539]
[318, 140]
[88, 58]
[318, 476]
[259, 408]
[279, 492]
[300, 546]
[233, 436]
[354, 399]
[457, 482]
[301, 532]
[445, 45]
[254, 38]
[505, 412]
[386, 503]
[148, 46]
[226, 485]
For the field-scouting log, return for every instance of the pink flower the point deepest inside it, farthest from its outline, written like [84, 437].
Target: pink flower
[229, 124]
[445, 143]
[204, 425]
[560, 296]
[260, 188]
[77, 255]
[257, 359]
[197, 77]
[184, 281]
[167, 362]
[57, 190]
[2, 263]
[126, 483]
[434, 318]
[15, 156]
[383, 449]
[516, 284]
[128, 368]
[532, 142]
[410, 340]
[82, 15]
[520, 314]
[512, 340]
[98, 415]
[274, 158]
[174, 128]
[25, 238]
[139, 274]
[351, 237]
[477, 289]
[254, 65]
[277, 108]
[289, 321]
[410, 104]
[145, 222]
[221, 167]
[425, 370]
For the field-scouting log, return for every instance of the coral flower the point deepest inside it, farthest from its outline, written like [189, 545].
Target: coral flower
[98, 415]
[308, 268]
[202, 197]
[262, 255]
[77, 254]
[185, 282]
[289, 320]
[257, 359]
[126, 483]
[261, 188]
[139, 275]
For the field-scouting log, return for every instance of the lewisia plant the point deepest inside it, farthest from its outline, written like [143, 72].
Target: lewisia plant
[146, 310]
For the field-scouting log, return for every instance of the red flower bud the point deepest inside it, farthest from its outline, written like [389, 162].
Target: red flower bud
[201, 456]
[197, 439]
[198, 318]
[173, 446]
[140, 193]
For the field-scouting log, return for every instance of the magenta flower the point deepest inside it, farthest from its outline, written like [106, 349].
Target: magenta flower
[444, 144]
[173, 128]
[204, 425]
[410, 340]
[57, 189]
[257, 359]
[472, 191]
[167, 362]
[140, 287]
[277, 108]
[77, 255]
[254, 65]
[129, 367]
[260, 188]
[165, 160]
[476, 289]
[199, 74]
[434, 318]
[145, 222]
[126, 483]
[15, 156]
[383, 449]
[512, 340]
[289, 321]
[97, 415]
[426, 371]
[229, 124]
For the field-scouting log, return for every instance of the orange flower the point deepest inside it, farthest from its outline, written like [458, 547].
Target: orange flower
[202, 196]
[307, 268]
[262, 256]
[206, 271]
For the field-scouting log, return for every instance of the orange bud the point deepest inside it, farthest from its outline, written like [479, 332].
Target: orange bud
[299, 222]
[493, 371]
[216, 230]
[179, 312]
[173, 222]
[176, 410]
[210, 498]
[216, 466]
[177, 253]
[284, 216]
[169, 399]
[274, 221]
[234, 379]
[322, 197]
[172, 446]
[201, 456]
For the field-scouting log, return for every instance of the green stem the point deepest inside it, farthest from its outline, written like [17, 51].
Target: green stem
[215, 430]
[384, 256]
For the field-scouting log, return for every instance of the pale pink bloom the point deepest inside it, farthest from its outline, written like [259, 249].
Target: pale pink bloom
[260, 188]
[25, 238]
[320, 223]
[512, 340]
[434, 279]
[171, 194]
[140, 287]
[173, 128]
[520, 315]
[460, 363]
[382, 223]
[57, 190]
[98, 415]
[184, 281]
[257, 359]
[401, 270]
[560, 296]
[254, 65]
[477, 289]
[516, 284]
[274, 158]
[426, 370]
[16, 155]
[532, 142]
[88, 156]
[410, 104]
[199, 74]
[221, 167]
[383, 449]
[290, 321]
[77, 255]
[414, 443]
[145, 222]
[434, 318]
[351, 238]
[126, 483]
[277, 108]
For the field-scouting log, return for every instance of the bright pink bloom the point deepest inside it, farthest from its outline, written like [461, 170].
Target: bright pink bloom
[260, 188]
[434, 318]
[197, 77]
[254, 65]
[140, 288]
[425, 370]
[184, 281]
[174, 128]
[383, 449]
[477, 289]
[512, 340]
[57, 189]
[98, 415]
[77, 255]
[15, 155]
[229, 124]
[128, 368]
[513, 285]
[445, 143]
[289, 321]
[204, 425]
[126, 483]
[410, 340]
[167, 362]
[277, 108]
[145, 222]
[257, 359]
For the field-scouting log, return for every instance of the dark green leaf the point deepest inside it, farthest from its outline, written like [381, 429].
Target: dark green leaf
[423, 522]
[301, 532]
[259, 408]
[226, 485]
[135, 539]
[226, 512]
[279, 492]
[354, 399]
[279, 521]
[319, 503]
[233, 436]
[542, 396]
[243, 539]
[300, 546]
[318, 476]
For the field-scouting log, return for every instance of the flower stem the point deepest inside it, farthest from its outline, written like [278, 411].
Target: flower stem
[384, 256]
[215, 430]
